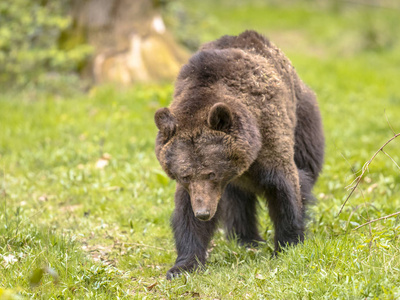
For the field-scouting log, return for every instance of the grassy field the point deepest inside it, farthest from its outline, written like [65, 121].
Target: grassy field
[85, 206]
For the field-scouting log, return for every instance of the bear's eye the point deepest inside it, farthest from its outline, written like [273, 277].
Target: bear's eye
[211, 176]
[185, 179]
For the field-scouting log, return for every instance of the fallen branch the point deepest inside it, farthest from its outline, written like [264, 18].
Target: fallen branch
[376, 220]
[356, 181]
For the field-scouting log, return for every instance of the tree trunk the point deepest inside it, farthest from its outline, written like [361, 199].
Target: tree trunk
[130, 41]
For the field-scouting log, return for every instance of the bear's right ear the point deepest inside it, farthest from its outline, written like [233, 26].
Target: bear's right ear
[220, 117]
[165, 122]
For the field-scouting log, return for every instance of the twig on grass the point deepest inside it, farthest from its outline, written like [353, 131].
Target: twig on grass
[390, 125]
[353, 186]
[376, 220]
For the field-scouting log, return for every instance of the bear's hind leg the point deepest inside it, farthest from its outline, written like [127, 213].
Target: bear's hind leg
[239, 213]
[306, 185]
[191, 235]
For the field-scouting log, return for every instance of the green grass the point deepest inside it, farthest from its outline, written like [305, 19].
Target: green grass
[105, 231]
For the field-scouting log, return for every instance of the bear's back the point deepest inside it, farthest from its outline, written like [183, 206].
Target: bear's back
[248, 67]
[248, 41]
[256, 44]
[244, 62]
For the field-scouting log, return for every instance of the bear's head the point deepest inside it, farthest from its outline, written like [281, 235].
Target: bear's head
[206, 157]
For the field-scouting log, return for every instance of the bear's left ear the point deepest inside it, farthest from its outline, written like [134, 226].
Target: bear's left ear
[165, 122]
[220, 117]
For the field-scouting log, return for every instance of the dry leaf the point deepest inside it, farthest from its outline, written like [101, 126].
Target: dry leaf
[372, 187]
[150, 287]
[103, 161]
[43, 198]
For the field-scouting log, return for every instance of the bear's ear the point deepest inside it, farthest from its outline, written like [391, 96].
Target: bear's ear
[220, 117]
[165, 122]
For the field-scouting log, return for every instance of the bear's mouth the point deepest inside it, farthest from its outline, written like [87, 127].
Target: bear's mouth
[204, 214]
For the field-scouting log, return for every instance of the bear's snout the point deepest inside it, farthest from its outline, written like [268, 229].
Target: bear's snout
[201, 210]
[204, 199]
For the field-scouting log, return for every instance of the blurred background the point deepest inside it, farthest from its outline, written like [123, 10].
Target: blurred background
[73, 44]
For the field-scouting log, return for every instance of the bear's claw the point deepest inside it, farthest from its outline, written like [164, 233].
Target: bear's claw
[174, 273]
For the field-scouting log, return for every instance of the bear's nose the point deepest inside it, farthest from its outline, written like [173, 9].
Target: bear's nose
[203, 215]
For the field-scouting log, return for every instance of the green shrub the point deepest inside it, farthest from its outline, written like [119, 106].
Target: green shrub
[30, 51]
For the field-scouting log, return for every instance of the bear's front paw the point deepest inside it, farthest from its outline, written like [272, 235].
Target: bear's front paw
[177, 270]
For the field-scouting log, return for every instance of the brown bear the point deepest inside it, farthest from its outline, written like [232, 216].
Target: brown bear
[242, 124]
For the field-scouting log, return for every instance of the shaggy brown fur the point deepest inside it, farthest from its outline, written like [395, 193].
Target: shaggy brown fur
[242, 124]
